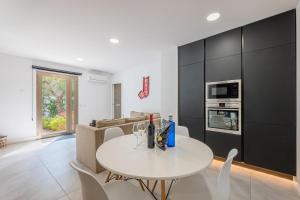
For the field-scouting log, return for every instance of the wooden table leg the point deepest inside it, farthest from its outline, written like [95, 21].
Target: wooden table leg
[154, 186]
[108, 178]
[163, 189]
[141, 184]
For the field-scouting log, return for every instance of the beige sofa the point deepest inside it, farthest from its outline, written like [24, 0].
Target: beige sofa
[88, 138]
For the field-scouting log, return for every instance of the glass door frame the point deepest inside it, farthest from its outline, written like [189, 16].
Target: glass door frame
[39, 107]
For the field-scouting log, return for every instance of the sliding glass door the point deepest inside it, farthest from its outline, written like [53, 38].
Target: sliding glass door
[57, 107]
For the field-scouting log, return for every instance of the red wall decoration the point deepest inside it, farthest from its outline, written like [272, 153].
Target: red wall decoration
[145, 92]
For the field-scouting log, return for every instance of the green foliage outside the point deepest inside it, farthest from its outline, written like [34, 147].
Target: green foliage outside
[56, 123]
[54, 103]
[51, 108]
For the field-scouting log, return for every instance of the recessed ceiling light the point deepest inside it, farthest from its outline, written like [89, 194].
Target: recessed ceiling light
[114, 40]
[213, 16]
[79, 59]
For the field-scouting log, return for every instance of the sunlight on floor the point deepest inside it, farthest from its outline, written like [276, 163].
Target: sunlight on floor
[29, 146]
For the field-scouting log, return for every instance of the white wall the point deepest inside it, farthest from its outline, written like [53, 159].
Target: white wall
[16, 98]
[169, 83]
[94, 100]
[298, 92]
[163, 95]
[132, 82]
[18, 117]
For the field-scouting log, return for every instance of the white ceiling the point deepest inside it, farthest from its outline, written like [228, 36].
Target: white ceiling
[62, 30]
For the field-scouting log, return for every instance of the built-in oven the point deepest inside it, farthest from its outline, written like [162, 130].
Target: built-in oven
[223, 117]
[223, 91]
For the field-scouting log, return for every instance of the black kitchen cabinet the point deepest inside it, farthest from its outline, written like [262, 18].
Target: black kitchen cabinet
[270, 32]
[226, 68]
[225, 44]
[223, 60]
[222, 143]
[269, 77]
[271, 147]
[191, 101]
[191, 53]
[270, 86]
[195, 126]
[270, 108]
[191, 90]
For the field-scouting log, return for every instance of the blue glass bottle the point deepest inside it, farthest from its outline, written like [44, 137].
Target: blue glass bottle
[171, 133]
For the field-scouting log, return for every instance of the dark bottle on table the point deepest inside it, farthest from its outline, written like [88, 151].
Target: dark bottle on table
[151, 133]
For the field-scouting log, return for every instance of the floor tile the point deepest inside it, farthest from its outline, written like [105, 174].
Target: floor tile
[18, 164]
[268, 187]
[65, 176]
[32, 184]
[75, 195]
[64, 198]
[206, 182]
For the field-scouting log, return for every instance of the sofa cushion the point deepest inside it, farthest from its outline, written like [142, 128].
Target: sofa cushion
[134, 114]
[155, 115]
[134, 119]
[105, 123]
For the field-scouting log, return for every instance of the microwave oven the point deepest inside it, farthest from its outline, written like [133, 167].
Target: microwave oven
[223, 91]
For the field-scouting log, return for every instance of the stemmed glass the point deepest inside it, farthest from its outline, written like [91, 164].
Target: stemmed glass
[142, 129]
[135, 130]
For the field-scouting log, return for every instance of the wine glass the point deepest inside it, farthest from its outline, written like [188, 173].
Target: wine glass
[135, 130]
[142, 129]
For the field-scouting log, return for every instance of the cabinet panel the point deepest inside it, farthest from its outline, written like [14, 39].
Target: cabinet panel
[222, 143]
[270, 32]
[191, 53]
[191, 90]
[270, 86]
[226, 68]
[195, 126]
[271, 147]
[224, 44]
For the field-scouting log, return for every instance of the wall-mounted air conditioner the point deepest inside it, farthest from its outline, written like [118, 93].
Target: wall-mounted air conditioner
[94, 78]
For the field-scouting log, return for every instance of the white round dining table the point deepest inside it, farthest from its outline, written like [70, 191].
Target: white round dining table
[122, 156]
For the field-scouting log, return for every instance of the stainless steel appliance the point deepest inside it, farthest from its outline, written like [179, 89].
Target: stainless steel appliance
[223, 91]
[224, 117]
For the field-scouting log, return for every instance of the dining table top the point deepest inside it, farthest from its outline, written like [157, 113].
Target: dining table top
[122, 156]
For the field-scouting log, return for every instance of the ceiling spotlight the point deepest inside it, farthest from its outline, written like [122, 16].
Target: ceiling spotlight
[114, 41]
[213, 16]
[79, 59]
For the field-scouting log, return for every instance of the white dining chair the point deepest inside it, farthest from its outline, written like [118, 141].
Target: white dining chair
[182, 130]
[201, 187]
[91, 189]
[109, 134]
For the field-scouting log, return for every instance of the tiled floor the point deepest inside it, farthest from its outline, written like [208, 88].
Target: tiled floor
[39, 170]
